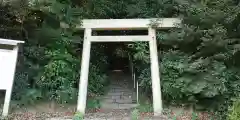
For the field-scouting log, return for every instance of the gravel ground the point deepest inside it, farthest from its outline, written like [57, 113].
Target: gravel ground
[44, 112]
[99, 115]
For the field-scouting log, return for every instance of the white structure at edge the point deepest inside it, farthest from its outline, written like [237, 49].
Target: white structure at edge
[8, 60]
[123, 24]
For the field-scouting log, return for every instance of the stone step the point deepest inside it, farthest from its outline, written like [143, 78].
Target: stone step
[110, 97]
[128, 94]
[105, 105]
[127, 106]
[109, 101]
[120, 90]
[115, 85]
[118, 106]
[114, 94]
[134, 101]
[119, 93]
[123, 90]
[124, 101]
[119, 96]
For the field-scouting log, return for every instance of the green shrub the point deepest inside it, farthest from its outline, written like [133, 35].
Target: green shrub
[93, 103]
[78, 116]
[97, 80]
[135, 114]
[234, 110]
[58, 79]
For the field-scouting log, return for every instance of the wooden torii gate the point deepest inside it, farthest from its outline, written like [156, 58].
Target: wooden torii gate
[123, 24]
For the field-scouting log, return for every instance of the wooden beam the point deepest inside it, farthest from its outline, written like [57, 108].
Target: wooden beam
[126, 24]
[119, 38]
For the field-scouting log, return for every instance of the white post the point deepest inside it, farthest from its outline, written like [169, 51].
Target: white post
[156, 85]
[82, 95]
[12, 68]
[137, 90]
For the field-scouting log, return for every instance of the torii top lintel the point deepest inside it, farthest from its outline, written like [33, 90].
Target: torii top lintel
[107, 24]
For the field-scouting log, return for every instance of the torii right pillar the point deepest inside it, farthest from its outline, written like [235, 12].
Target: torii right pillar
[156, 85]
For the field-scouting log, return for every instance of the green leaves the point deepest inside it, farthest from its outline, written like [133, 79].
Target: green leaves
[196, 87]
[97, 80]
[140, 51]
[184, 78]
[31, 96]
[234, 111]
[50, 53]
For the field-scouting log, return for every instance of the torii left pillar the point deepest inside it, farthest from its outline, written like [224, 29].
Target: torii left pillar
[8, 61]
[84, 71]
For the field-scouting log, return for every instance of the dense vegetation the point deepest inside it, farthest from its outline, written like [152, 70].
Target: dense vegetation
[199, 62]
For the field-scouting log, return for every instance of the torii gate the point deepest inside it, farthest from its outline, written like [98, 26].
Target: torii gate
[123, 24]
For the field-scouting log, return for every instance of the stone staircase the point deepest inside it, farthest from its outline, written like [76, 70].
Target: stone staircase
[118, 103]
[121, 94]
